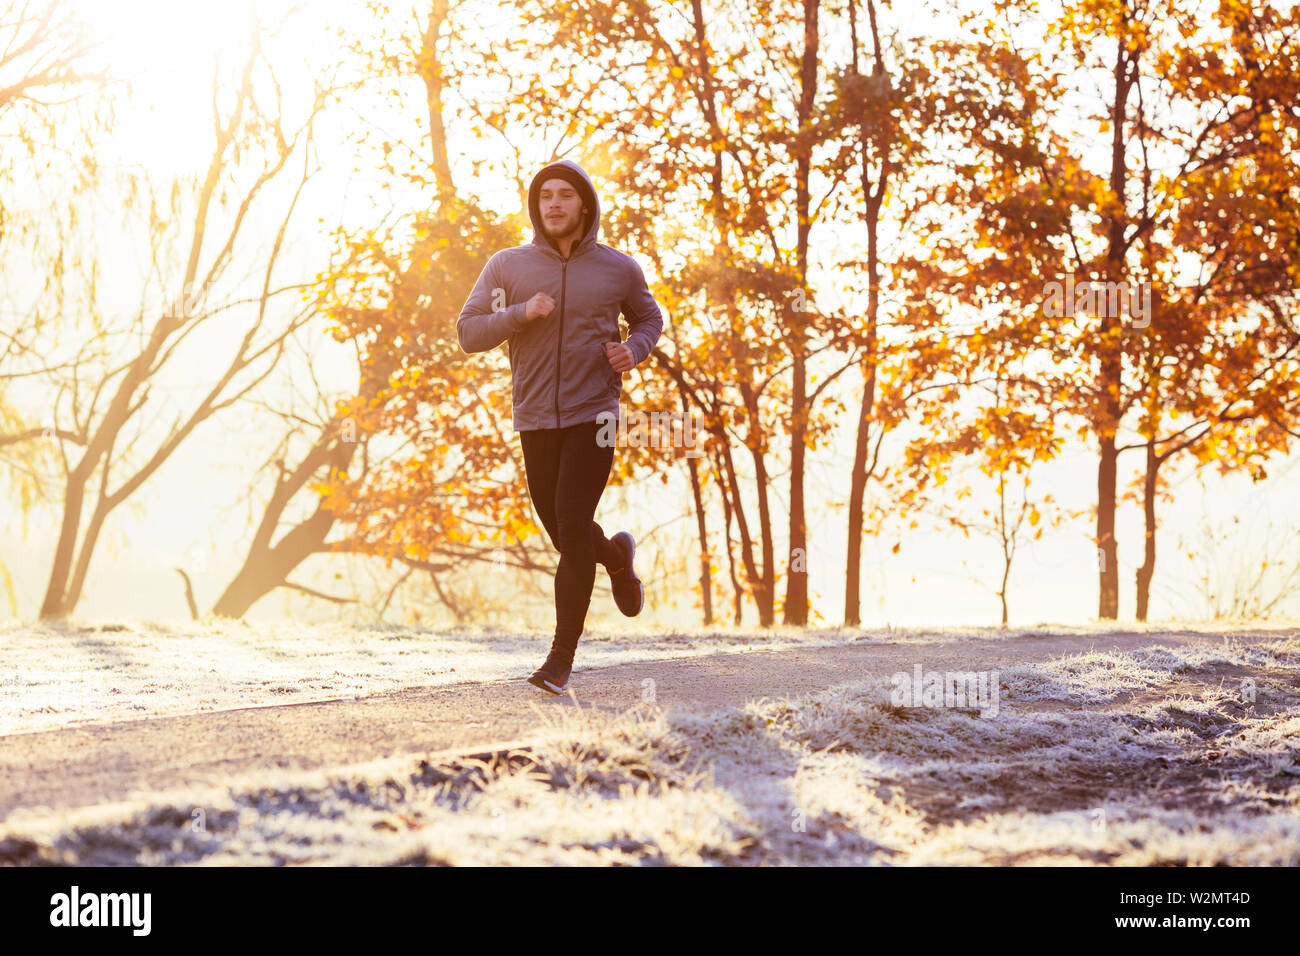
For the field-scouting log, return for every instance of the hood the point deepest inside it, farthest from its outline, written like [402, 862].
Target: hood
[589, 200]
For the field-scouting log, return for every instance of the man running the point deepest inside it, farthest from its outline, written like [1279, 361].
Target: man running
[555, 301]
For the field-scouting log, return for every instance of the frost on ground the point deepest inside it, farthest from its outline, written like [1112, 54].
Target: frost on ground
[59, 675]
[1158, 756]
[54, 676]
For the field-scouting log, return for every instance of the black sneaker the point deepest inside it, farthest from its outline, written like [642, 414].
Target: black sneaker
[553, 676]
[628, 593]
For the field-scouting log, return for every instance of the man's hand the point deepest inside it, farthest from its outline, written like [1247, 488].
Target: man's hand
[620, 356]
[539, 305]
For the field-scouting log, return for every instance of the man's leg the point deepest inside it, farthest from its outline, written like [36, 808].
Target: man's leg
[541, 470]
[582, 473]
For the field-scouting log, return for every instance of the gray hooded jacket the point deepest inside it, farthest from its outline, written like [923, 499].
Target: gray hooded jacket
[559, 370]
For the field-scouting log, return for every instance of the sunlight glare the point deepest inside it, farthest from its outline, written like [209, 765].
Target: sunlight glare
[168, 52]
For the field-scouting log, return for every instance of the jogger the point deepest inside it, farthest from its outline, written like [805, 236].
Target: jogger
[566, 471]
[555, 302]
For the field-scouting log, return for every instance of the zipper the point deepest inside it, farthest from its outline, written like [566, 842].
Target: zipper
[559, 343]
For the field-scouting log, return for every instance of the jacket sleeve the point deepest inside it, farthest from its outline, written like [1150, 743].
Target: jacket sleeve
[645, 321]
[479, 328]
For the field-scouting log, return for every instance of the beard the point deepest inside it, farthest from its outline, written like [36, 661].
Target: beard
[558, 229]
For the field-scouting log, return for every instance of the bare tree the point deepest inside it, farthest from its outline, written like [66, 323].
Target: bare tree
[114, 409]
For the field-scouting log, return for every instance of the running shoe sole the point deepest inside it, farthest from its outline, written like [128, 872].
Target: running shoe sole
[538, 681]
[640, 591]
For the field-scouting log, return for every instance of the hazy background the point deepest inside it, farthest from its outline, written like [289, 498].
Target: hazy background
[197, 510]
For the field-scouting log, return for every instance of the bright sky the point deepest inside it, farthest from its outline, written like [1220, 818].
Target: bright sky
[196, 508]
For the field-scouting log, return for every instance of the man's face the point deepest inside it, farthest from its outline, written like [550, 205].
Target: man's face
[561, 209]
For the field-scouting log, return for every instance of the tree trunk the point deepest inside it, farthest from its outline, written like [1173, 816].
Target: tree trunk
[1108, 596]
[706, 567]
[872, 199]
[1148, 569]
[765, 586]
[55, 604]
[857, 490]
[862, 445]
[1111, 378]
[796, 581]
[430, 70]
[1007, 542]
[737, 591]
[267, 566]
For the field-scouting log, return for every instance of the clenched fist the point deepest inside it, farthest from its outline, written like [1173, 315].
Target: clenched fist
[620, 356]
[539, 305]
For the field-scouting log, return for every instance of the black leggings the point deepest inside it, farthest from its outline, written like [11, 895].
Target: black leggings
[566, 472]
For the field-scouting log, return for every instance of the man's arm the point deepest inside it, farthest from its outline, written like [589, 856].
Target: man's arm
[480, 327]
[645, 321]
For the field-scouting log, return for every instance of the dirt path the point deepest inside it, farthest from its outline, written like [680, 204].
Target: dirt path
[89, 765]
